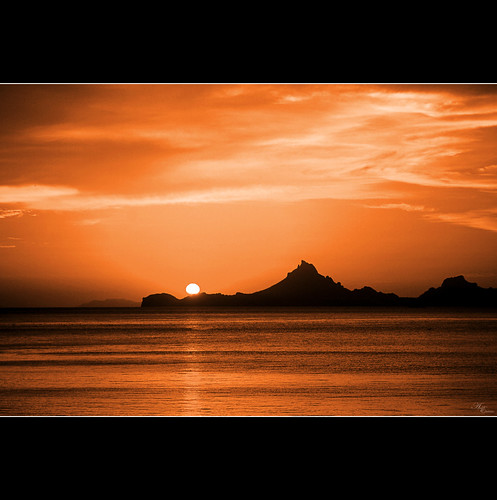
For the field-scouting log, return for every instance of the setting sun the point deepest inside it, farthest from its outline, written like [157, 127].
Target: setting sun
[192, 289]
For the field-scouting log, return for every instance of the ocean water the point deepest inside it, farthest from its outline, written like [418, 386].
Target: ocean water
[248, 362]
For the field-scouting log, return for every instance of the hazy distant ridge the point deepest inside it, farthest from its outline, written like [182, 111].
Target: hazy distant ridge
[111, 303]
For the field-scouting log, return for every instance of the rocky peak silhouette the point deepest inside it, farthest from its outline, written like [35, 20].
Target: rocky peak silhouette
[304, 268]
[302, 286]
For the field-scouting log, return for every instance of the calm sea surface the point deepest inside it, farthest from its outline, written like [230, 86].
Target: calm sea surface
[281, 361]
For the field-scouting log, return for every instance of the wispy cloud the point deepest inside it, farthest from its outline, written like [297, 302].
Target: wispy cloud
[161, 135]
[478, 219]
[485, 219]
[89, 222]
[33, 193]
[4, 214]
[163, 145]
[402, 206]
[73, 200]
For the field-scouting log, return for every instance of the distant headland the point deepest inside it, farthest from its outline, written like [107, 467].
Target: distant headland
[111, 303]
[304, 286]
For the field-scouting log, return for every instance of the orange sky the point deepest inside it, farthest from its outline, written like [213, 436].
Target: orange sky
[125, 190]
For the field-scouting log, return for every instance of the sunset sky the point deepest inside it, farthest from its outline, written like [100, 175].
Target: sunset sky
[120, 191]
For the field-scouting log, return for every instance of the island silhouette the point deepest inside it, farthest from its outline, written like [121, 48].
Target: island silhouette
[304, 286]
[111, 303]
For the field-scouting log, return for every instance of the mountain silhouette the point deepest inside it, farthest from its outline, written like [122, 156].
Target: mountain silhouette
[459, 292]
[160, 299]
[303, 286]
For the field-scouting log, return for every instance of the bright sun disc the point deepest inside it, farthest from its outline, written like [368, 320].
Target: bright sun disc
[192, 288]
